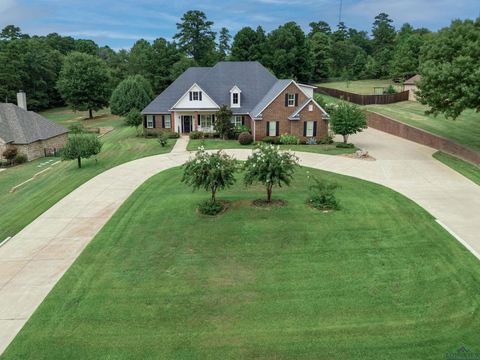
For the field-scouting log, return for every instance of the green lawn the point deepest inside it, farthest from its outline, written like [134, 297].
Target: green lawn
[465, 130]
[31, 200]
[213, 144]
[465, 168]
[379, 279]
[365, 87]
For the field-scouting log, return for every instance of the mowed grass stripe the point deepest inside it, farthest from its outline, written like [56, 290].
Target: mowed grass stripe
[377, 279]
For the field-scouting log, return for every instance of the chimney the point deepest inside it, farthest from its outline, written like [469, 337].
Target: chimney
[22, 100]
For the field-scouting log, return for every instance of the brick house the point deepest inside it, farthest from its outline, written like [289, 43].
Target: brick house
[31, 134]
[258, 100]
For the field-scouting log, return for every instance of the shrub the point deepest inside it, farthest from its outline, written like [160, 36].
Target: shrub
[242, 128]
[173, 135]
[20, 159]
[288, 139]
[3, 163]
[270, 140]
[327, 139]
[210, 207]
[311, 141]
[245, 138]
[196, 135]
[323, 195]
[344, 145]
[10, 153]
[77, 129]
[390, 90]
[163, 138]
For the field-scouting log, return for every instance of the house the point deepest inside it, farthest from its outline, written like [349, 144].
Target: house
[410, 85]
[31, 134]
[258, 100]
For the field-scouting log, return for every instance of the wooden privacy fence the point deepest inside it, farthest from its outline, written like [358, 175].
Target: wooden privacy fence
[394, 127]
[363, 99]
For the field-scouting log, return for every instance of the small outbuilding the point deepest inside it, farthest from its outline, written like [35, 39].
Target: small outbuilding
[411, 86]
[30, 133]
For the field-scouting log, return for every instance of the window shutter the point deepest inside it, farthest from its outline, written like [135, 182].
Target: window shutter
[190, 96]
[314, 128]
[268, 128]
[163, 121]
[286, 99]
[198, 119]
[296, 99]
[145, 121]
[200, 95]
[304, 128]
[213, 118]
[243, 120]
[277, 128]
[154, 126]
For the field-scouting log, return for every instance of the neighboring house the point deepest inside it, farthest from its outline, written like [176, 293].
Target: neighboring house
[31, 134]
[411, 86]
[258, 100]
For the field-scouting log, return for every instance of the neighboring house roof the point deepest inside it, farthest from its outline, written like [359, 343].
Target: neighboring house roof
[412, 80]
[19, 126]
[217, 81]
[296, 114]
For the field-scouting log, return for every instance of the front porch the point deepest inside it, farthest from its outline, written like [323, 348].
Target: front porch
[188, 121]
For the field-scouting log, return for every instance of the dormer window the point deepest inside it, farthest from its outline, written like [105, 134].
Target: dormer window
[235, 98]
[195, 96]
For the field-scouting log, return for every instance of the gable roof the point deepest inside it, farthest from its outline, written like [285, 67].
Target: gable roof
[217, 81]
[296, 114]
[19, 126]
[412, 80]
[272, 93]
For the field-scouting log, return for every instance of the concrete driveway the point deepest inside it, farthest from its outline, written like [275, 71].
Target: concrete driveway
[33, 261]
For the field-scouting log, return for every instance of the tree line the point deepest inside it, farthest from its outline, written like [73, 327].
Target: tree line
[35, 63]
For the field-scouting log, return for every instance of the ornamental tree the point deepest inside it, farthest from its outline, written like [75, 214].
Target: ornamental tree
[81, 146]
[134, 119]
[223, 124]
[347, 119]
[270, 167]
[211, 172]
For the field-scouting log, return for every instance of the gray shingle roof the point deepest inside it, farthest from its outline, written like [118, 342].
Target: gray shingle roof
[250, 76]
[19, 126]
[412, 80]
[278, 86]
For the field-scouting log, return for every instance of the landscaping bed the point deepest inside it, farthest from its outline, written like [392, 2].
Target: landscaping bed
[213, 144]
[377, 279]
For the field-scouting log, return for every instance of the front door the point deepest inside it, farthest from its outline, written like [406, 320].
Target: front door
[186, 123]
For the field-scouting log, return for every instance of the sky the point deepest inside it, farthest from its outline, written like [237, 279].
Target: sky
[119, 24]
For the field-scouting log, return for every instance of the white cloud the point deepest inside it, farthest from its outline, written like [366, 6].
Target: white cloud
[108, 35]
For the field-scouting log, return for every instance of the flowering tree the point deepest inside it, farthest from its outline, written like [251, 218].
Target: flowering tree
[210, 171]
[270, 166]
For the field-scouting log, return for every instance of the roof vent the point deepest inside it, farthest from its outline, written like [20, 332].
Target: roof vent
[22, 100]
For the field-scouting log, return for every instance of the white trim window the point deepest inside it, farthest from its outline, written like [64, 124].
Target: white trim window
[237, 120]
[309, 130]
[167, 121]
[236, 99]
[195, 96]
[291, 100]
[206, 121]
[149, 121]
[272, 128]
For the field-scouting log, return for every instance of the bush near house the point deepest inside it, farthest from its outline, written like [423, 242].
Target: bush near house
[245, 138]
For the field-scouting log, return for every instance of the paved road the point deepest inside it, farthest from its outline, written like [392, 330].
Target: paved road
[34, 260]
